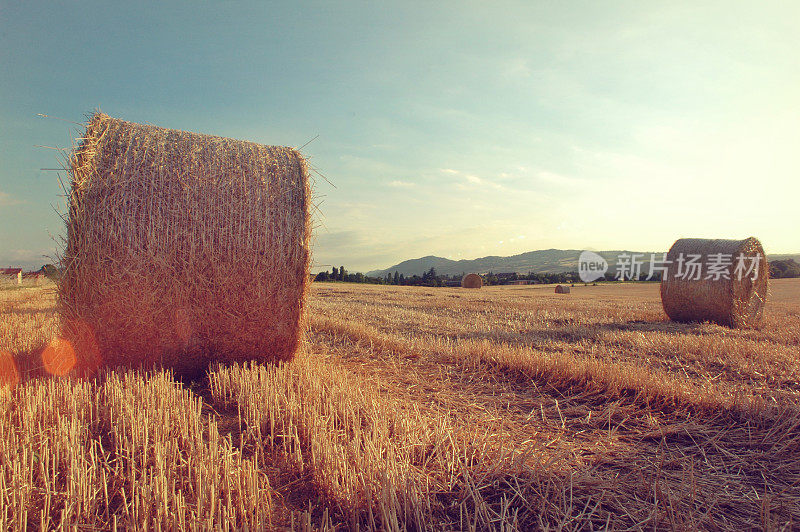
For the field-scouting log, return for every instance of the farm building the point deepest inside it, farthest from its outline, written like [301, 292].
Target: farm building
[32, 278]
[11, 276]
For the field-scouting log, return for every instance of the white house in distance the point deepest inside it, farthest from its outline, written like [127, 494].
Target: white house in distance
[10, 275]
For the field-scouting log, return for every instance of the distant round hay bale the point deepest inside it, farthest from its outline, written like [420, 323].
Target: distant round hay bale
[731, 288]
[561, 289]
[471, 280]
[183, 248]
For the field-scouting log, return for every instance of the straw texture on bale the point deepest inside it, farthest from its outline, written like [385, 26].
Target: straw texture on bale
[736, 301]
[183, 248]
[471, 280]
[561, 289]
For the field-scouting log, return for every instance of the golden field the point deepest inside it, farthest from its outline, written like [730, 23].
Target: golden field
[422, 409]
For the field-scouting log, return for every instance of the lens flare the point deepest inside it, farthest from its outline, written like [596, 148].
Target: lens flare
[59, 357]
[9, 373]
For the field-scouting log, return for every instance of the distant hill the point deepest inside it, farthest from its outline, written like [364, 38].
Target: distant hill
[541, 261]
[795, 257]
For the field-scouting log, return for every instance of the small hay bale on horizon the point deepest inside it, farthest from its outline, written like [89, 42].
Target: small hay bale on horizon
[562, 289]
[734, 298]
[183, 248]
[471, 280]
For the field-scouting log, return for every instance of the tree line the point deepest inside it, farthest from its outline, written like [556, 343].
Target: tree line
[778, 269]
[782, 269]
[432, 278]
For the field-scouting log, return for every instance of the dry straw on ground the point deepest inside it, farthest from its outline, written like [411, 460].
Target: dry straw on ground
[528, 412]
[471, 280]
[561, 289]
[183, 247]
[731, 299]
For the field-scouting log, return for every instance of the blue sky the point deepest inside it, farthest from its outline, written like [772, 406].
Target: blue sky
[460, 130]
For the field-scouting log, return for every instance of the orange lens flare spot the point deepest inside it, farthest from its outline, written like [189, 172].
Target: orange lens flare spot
[9, 373]
[59, 357]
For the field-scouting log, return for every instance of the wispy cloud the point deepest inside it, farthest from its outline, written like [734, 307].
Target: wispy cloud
[7, 200]
[554, 178]
[357, 250]
[517, 68]
[401, 184]
[26, 258]
[471, 179]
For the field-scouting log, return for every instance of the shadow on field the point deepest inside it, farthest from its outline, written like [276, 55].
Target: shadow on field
[11, 311]
[32, 364]
[21, 366]
[573, 333]
[655, 326]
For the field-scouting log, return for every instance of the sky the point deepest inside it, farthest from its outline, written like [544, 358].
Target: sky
[458, 129]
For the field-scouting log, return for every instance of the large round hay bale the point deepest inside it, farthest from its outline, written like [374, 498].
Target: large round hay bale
[730, 289]
[561, 289]
[471, 280]
[183, 248]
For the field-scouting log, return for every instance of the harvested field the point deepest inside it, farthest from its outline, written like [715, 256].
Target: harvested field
[425, 409]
